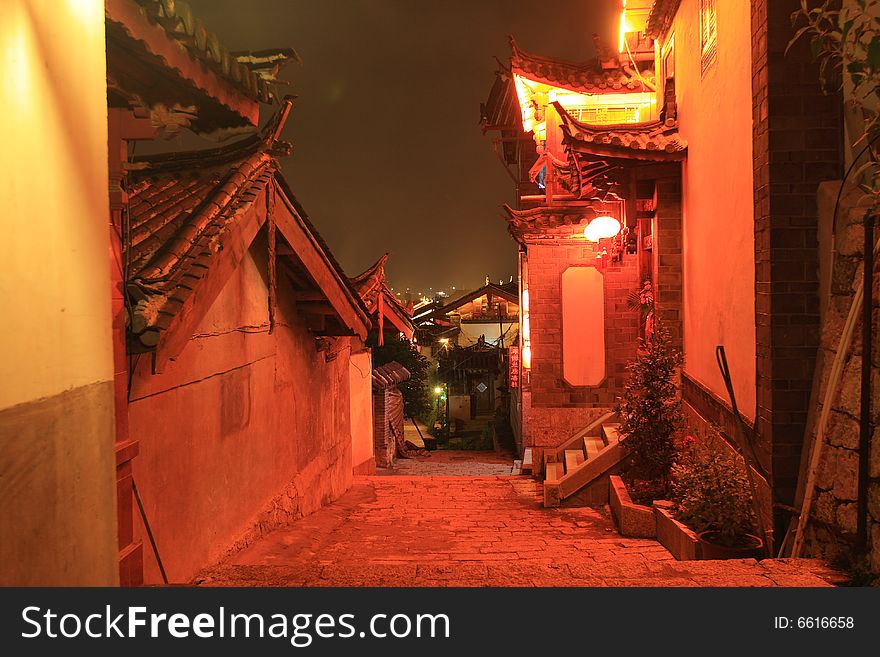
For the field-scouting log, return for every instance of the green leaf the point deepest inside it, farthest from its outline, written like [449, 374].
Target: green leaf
[797, 35]
[847, 26]
[874, 53]
[817, 45]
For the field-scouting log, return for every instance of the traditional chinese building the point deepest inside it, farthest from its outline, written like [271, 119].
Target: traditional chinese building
[467, 338]
[391, 321]
[232, 403]
[489, 314]
[589, 147]
[709, 163]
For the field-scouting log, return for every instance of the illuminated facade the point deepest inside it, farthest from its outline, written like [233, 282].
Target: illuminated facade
[712, 161]
[595, 154]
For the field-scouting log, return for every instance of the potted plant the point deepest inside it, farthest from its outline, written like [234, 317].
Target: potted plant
[710, 489]
[650, 417]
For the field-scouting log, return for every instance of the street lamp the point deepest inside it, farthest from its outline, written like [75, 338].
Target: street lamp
[601, 227]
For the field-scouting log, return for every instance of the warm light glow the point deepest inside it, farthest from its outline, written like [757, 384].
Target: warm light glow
[438, 390]
[526, 332]
[597, 109]
[601, 227]
[526, 104]
[444, 340]
[624, 28]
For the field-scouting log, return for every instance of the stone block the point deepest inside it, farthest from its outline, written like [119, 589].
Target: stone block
[824, 507]
[633, 520]
[843, 431]
[681, 542]
[846, 475]
[874, 463]
[846, 518]
[875, 547]
[874, 502]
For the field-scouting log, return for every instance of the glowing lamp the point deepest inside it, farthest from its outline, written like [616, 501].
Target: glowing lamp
[525, 301]
[526, 357]
[527, 107]
[438, 390]
[601, 228]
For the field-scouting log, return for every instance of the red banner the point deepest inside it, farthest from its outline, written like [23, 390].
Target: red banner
[513, 361]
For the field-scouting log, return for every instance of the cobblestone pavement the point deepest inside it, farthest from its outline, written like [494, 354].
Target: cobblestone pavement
[453, 463]
[478, 531]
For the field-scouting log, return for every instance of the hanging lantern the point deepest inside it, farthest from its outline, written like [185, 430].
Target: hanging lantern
[601, 228]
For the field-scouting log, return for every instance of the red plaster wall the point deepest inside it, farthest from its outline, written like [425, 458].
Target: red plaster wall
[718, 227]
[557, 409]
[243, 432]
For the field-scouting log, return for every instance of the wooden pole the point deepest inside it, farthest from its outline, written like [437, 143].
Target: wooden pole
[865, 402]
[830, 392]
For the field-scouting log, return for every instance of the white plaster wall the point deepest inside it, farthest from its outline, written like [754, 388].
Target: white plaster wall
[55, 282]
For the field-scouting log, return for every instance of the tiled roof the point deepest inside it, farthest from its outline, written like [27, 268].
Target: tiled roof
[535, 220]
[507, 291]
[251, 72]
[587, 77]
[660, 17]
[657, 140]
[370, 284]
[501, 110]
[181, 217]
[389, 374]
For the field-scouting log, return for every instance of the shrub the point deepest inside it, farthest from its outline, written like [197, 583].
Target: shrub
[416, 399]
[650, 410]
[711, 490]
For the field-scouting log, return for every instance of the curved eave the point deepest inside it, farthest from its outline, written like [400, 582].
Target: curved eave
[193, 74]
[574, 76]
[652, 141]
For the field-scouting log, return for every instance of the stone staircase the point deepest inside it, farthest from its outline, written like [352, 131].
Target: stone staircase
[576, 474]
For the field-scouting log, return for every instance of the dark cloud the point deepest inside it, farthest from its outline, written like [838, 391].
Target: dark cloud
[388, 154]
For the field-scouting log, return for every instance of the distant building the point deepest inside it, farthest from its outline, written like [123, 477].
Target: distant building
[467, 339]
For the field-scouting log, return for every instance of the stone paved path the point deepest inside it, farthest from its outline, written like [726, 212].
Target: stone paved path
[453, 463]
[475, 531]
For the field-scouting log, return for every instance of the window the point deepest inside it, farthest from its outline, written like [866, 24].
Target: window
[669, 59]
[607, 114]
[708, 33]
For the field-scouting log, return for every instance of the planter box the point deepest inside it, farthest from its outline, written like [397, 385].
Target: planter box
[673, 535]
[633, 520]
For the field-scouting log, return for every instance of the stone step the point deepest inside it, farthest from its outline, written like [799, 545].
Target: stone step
[573, 458]
[553, 472]
[576, 441]
[527, 465]
[560, 488]
[592, 446]
[611, 432]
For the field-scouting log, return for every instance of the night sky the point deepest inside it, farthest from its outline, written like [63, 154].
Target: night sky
[388, 153]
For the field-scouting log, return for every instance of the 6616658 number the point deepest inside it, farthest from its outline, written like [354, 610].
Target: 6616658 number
[814, 622]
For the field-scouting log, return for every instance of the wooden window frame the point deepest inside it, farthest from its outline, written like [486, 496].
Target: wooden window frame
[708, 34]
